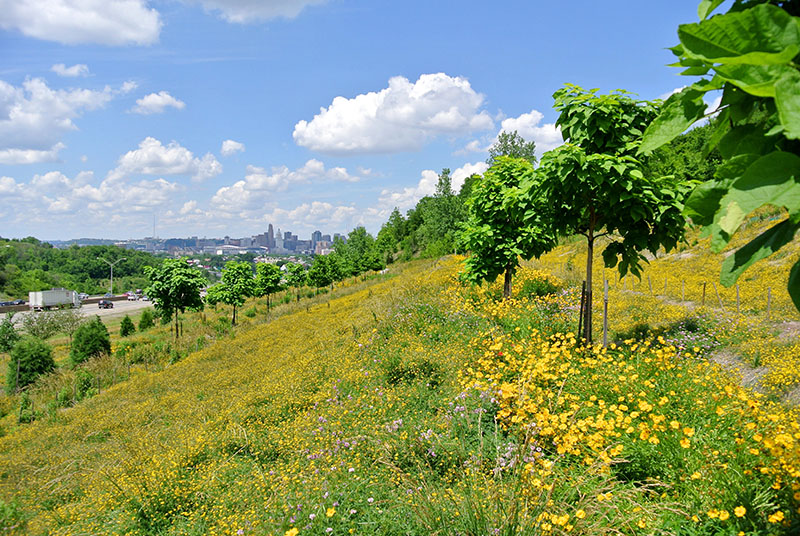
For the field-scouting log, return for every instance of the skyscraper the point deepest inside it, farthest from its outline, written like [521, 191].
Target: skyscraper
[270, 237]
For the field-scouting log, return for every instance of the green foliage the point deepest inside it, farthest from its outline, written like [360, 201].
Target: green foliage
[146, 321]
[8, 334]
[30, 358]
[126, 327]
[504, 223]
[513, 145]
[268, 280]
[323, 272]
[750, 54]
[12, 518]
[594, 186]
[42, 325]
[685, 157]
[91, 339]
[236, 286]
[174, 287]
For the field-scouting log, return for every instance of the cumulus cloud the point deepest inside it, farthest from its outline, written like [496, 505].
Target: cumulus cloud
[79, 69]
[401, 117]
[154, 158]
[258, 184]
[407, 197]
[467, 170]
[73, 22]
[230, 147]
[34, 117]
[156, 103]
[243, 11]
[528, 125]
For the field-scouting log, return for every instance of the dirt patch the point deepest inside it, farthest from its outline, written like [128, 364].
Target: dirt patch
[749, 377]
[789, 330]
[792, 398]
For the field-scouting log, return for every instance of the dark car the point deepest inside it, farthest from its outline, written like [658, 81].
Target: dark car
[105, 304]
[19, 302]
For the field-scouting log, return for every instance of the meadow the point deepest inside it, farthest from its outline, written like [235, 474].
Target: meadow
[414, 404]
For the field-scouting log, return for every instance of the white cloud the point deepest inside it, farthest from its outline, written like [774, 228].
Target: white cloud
[243, 11]
[79, 69]
[34, 117]
[156, 103]
[230, 147]
[30, 156]
[153, 158]
[401, 117]
[72, 22]
[408, 197]
[258, 184]
[546, 136]
[467, 170]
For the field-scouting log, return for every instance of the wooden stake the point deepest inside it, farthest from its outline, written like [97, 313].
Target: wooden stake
[738, 311]
[683, 290]
[718, 298]
[580, 315]
[665, 285]
[704, 295]
[605, 313]
[769, 303]
[650, 284]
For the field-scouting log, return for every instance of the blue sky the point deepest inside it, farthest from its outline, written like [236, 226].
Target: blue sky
[221, 116]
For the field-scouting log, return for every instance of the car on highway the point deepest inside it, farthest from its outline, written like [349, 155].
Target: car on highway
[105, 304]
[108, 295]
[82, 296]
[132, 297]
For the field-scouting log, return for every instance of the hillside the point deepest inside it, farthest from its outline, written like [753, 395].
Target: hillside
[419, 406]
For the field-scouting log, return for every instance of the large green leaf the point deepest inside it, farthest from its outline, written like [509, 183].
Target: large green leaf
[706, 7]
[764, 34]
[787, 100]
[773, 179]
[679, 112]
[703, 202]
[758, 80]
[760, 247]
[794, 284]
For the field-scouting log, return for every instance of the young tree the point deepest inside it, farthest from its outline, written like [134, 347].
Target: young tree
[321, 274]
[296, 276]
[41, 325]
[268, 280]
[126, 327]
[174, 287]
[69, 320]
[91, 339]
[8, 333]
[593, 185]
[146, 320]
[30, 358]
[513, 145]
[237, 284]
[503, 223]
[750, 53]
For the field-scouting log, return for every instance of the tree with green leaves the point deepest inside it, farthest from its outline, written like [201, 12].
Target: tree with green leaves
[268, 280]
[751, 53]
[146, 320]
[296, 276]
[174, 287]
[237, 284]
[322, 271]
[41, 325]
[8, 333]
[126, 327]
[91, 339]
[593, 185]
[504, 224]
[513, 145]
[30, 358]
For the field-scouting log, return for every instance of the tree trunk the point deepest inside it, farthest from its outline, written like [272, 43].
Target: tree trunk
[233, 323]
[587, 326]
[267, 303]
[507, 282]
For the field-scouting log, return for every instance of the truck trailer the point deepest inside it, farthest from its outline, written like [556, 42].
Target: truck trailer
[44, 300]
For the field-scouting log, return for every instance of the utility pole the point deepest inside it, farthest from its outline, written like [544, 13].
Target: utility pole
[111, 264]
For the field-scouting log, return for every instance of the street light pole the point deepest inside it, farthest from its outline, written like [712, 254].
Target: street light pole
[111, 264]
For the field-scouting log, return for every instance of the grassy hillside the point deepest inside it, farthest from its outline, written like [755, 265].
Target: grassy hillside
[419, 406]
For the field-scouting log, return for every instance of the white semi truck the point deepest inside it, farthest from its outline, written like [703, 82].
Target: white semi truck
[48, 299]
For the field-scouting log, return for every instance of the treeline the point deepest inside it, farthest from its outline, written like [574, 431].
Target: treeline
[29, 265]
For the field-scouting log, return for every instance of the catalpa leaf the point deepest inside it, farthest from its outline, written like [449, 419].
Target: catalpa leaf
[758, 80]
[706, 7]
[773, 179]
[759, 248]
[679, 112]
[764, 34]
[703, 202]
[787, 100]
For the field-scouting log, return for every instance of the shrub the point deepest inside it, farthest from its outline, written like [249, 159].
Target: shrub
[126, 328]
[30, 357]
[8, 335]
[91, 339]
[146, 321]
